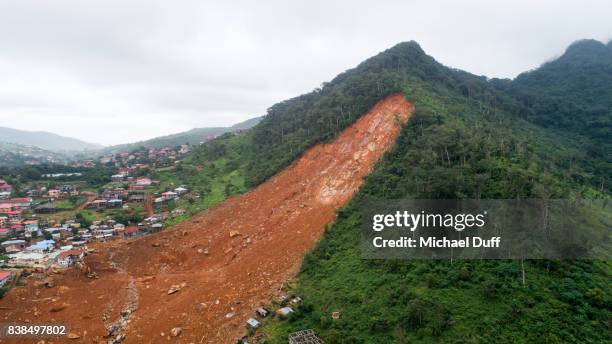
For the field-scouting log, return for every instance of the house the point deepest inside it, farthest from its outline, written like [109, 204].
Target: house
[117, 193]
[5, 187]
[154, 218]
[117, 177]
[262, 312]
[14, 216]
[30, 258]
[17, 229]
[285, 311]
[114, 203]
[53, 193]
[3, 221]
[253, 323]
[31, 226]
[42, 246]
[135, 187]
[67, 188]
[169, 195]
[5, 195]
[143, 181]
[181, 190]
[45, 208]
[156, 227]
[137, 197]
[36, 192]
[5, 278]
[5, 208]
[131, 231]
[68, 258]
[11, 246]
[296, 300]
[304, 336]
[4, 232]
[97, 204]
[178, 212]
[125, 171]
[21, 203]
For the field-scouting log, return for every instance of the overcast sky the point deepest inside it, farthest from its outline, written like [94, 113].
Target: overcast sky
[119, 71]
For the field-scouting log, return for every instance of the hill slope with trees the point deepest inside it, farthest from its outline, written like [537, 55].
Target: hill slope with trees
[192, 137]
[467, 139]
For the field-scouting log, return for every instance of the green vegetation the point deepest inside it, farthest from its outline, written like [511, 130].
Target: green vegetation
[90, 178]
[69, 203]
[192, 137]
[86, 217]
[572, 94]
[212, 173]
[466, 140]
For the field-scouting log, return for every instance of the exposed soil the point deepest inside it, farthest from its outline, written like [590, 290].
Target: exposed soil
[149, 204]
[207, 275]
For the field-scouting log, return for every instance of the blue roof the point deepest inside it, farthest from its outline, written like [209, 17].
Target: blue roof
[42, 245]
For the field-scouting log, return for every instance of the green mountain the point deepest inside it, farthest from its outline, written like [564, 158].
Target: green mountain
[193, 136]
[45, 140]
[572, 94]
[468, 138]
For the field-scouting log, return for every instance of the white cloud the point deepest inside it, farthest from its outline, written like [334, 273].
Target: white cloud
[119, 71]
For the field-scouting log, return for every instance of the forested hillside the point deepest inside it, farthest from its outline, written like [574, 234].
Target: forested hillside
[573, 94]
[469, 138]
[466, 140]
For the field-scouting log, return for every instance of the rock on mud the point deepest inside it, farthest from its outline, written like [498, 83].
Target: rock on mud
[59, 308]
[175, 332]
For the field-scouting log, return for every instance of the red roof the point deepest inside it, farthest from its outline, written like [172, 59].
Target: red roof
[69, 253]
[131, 229]
[4, 275]
[2, 230]
[20, 200]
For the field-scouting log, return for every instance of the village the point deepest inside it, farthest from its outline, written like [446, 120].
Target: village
[52, 224]
[139, 157]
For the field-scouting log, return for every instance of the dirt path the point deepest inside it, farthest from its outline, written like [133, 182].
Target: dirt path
[84, 204]
[149, 204]
[207, 275]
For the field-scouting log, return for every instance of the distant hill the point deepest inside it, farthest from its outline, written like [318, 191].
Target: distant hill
[193, 136]
[572, 94]
[15, 155]
[45, 140]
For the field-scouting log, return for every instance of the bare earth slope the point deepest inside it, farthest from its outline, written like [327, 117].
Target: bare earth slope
[226, 261]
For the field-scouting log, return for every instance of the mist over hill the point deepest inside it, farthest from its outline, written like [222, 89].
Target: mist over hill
[192, 137]
[15, 155]
[45, 140]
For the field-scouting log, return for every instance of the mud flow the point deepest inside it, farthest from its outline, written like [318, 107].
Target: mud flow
[198, 282]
